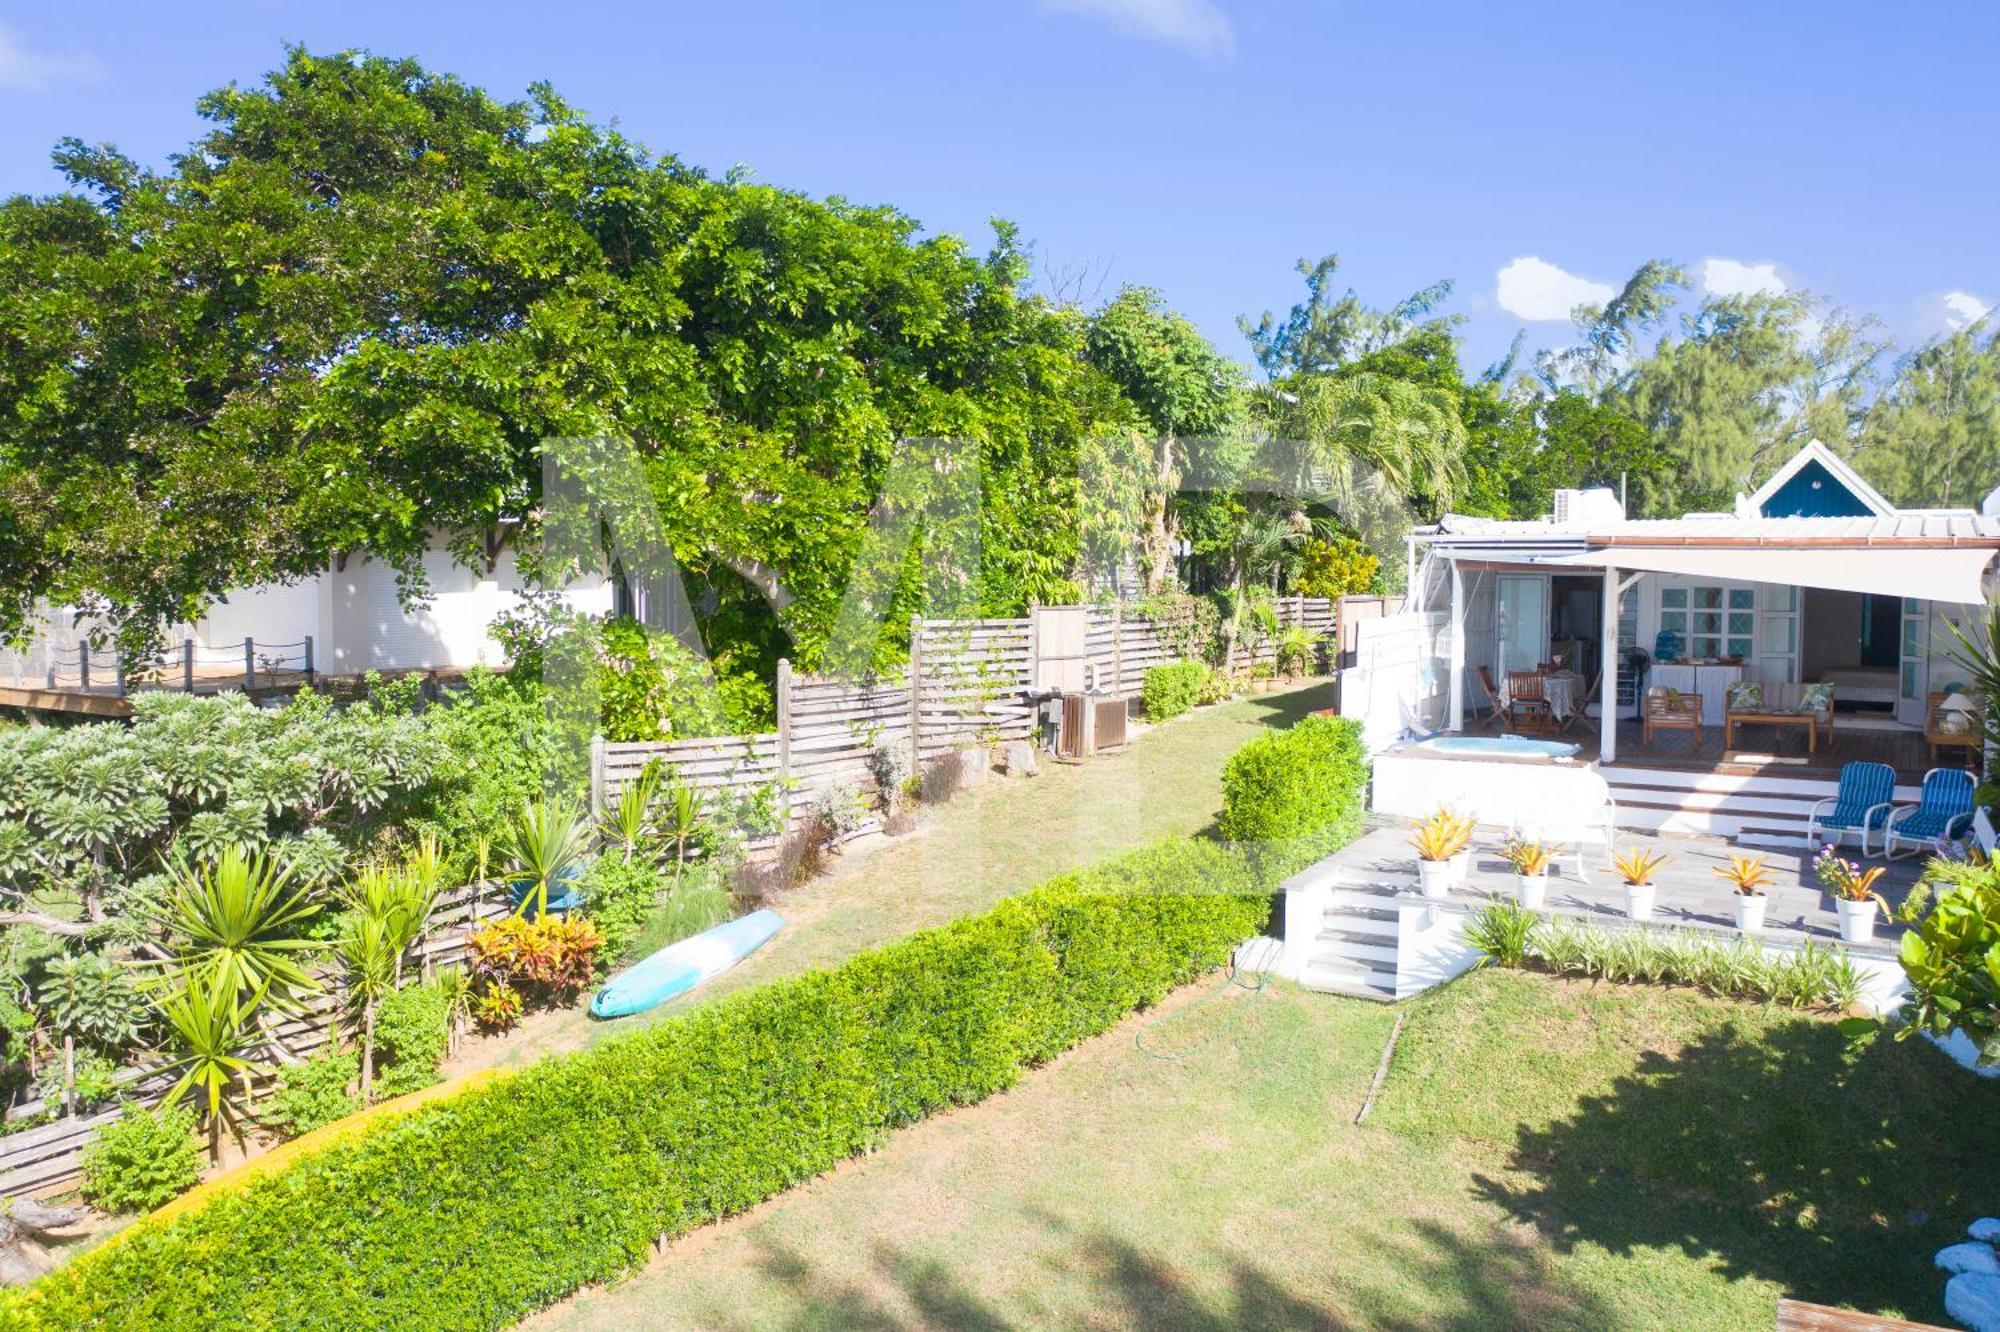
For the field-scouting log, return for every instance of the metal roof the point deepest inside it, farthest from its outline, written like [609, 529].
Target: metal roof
[1938, 529]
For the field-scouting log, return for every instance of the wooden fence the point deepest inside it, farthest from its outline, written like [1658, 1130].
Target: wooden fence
[968, 682]
[49, 1156]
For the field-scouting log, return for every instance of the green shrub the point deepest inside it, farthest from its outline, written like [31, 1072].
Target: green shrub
[142, 1159]
[1502, 933]
[1817, 975]
[1296, 795]
[476, 1209]
[313, 1093]
[1951, 954]
[1170, 690]
[619, 892]
[411, 1031]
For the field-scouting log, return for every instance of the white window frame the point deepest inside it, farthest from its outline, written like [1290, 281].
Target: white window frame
[1731, 600]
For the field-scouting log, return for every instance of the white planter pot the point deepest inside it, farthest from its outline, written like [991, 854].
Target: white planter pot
[1639, 900]
[1434, 877]
[1857, 920]
[1750, 912]
[1461, 867]
[1533, 890]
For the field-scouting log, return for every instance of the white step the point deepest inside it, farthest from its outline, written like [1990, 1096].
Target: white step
[1355, 950]
[1322, 973]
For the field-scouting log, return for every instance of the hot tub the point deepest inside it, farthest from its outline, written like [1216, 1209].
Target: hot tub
[1497, 746]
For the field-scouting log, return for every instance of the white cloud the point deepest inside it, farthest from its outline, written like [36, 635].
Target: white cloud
[28, 70]
[1196, 26]
[1962, 309]
[1733, 277]
[1536, 290]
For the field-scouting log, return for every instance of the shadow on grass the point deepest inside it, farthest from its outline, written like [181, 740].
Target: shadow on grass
[1786, 1154]
[1106, 1281]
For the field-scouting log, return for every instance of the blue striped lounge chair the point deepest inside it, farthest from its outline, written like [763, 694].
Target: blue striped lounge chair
[1867, 791]
[1943, 809]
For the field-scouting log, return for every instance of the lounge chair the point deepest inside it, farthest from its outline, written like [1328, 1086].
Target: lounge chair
[1564, 807]
[1943, 810]
[1670, 710]
[1528, 707]
[1867, 794]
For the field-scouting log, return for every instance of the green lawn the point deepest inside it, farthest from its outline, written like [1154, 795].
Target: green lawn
[1545, 1155]
[987, 844]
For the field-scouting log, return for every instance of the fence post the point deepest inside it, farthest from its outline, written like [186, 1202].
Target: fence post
[187, 664]
[309, 658]
[83, 666]
[118, 673]
[596, 775]
[916, 693]
[249, 664]
[784, 691]
[1118, 650]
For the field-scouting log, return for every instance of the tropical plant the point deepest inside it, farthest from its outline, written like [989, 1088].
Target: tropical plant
[1950, 951]
[546, 841]
[497, 1007]
[1748, 876]
[1443, 835]
[368, 952]
[212, 1022]
[1503, 933]
[628, 822]
[313, 1093]
[1638, 866]
[88, 997]
[681, 822]
[240, 920]
[1847, 880]
[1530, 859]
[142, 1160]
[551, 956]
[1296, 646]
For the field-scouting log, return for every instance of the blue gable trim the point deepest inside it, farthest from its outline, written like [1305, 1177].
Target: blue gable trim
[1815, 492]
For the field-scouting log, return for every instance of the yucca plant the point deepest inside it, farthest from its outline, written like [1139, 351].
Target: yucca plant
[370, 951]
[240, 918]
[213, 1023]
[1638, 866]
[628, 823]
[547, 839]
[681, 813]
[1748, 876]
[399, 898]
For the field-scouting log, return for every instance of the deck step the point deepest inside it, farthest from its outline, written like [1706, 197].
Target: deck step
[1324, 973]
[1356, 951]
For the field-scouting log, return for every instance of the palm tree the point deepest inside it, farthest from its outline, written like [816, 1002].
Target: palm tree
[213, 1021]
[239, 919]
[543, 843]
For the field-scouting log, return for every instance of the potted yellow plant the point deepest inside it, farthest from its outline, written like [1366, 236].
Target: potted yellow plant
[1531, 870]
[1437, 840]
[1748, 877]
[1854, 895]
[1637, 868]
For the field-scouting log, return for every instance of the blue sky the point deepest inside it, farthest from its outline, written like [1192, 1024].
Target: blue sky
[1203, 146]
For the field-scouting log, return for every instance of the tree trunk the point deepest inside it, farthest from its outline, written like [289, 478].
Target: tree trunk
[367, 1052]
[69, 1075]
[215, 1138]
[1159, 523]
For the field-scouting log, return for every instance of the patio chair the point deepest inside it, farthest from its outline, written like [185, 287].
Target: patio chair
[1569, 807]
[1495, 707]
[1943, 810]
[1577, 714]
[1867, 794]
[1528, 703]
[1671, 710]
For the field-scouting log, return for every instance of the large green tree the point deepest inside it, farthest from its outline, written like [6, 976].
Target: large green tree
[352, 313]
[1933, 436]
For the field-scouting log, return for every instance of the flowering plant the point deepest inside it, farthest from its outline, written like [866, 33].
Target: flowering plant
[1845, 879]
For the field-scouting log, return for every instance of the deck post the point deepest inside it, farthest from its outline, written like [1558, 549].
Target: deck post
[1607, 711]
[83, 666]
[917, 691]
[309, 658]
[187, 665]
[1455, 717]
[249, 664]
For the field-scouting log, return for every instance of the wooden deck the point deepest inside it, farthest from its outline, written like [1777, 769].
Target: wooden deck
[1771, 751]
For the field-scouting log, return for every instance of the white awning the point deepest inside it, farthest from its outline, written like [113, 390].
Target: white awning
[1949, 574]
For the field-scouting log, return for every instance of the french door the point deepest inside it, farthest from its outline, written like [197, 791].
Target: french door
[1913, 668]
[1524, 622]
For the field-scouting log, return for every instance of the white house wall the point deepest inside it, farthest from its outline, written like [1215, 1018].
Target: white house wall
[272, 613]
[368, 629]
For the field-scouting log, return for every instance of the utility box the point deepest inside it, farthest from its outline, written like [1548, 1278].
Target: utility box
[1090, 723]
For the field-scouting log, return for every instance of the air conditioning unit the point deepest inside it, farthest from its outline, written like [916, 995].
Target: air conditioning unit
[1090, 722]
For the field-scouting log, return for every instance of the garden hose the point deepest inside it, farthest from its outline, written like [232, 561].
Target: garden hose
[1232, 979]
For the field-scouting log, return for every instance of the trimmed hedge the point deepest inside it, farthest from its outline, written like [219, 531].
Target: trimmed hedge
[1170, 690]
[477, 1209]
[1294, 796]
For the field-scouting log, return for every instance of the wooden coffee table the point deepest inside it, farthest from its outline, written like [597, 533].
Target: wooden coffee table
[1731, 720]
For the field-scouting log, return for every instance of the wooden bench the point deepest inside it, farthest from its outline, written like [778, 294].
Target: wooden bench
[1798, 1316]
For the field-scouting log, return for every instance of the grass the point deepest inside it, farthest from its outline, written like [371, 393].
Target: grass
[989, 843]
[1546, 1154]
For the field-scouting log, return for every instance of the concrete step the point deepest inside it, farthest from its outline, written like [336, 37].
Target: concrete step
[1361, 931]
[1357, 950]
[1323, 972]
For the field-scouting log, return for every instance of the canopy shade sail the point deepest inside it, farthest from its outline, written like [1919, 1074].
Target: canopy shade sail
[1955, 574]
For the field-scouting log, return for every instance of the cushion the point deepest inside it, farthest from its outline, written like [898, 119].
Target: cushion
[1746, 694]
[1816, 698]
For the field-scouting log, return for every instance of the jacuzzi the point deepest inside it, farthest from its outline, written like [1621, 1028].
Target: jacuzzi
[1491, 777]
[1497, 746]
